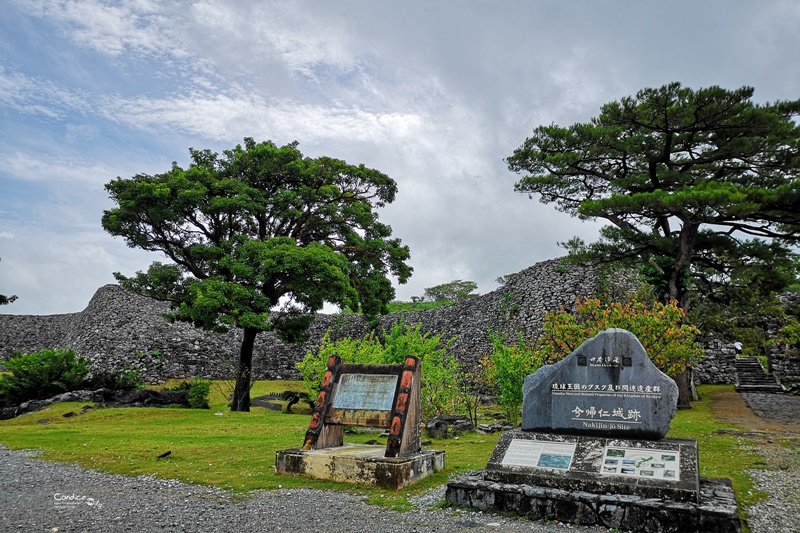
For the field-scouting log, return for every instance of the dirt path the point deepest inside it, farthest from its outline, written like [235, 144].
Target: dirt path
[780, 414]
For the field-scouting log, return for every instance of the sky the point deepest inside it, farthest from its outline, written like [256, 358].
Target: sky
[436, 94]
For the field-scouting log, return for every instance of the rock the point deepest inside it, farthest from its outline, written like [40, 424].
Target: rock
[462, 426]
[436, 429]
[607, 387]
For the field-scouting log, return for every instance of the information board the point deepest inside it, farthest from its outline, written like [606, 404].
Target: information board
[373, 392]
[643, 463]
[539, 454]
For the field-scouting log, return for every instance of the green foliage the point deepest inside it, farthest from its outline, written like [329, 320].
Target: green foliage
[40, 375]
[254, 227]
[669, 342]
[454, 291]
[410, 307]
[789, 336]
[505, 371]
[406, 307]
[127, 379]
[199, 391]
[440, 371]
[685, 178]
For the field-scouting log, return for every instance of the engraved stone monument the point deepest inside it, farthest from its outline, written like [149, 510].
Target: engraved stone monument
[376, 396]
[607, 387]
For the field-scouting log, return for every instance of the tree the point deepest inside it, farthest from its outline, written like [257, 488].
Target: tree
[454, 291]
[695, 184]
[5, 300]
[255, 228]
[669, 341]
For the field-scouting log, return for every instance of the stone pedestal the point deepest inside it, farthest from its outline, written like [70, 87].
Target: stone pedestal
[360, 463]
[714, 513]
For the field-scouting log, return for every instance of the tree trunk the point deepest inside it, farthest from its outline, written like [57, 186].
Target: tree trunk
[244, 367]
[684, 390]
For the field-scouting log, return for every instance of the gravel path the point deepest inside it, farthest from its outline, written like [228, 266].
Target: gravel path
[781, 511]
[44, 496]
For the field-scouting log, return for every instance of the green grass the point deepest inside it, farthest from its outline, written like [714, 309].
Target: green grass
[237, 450]
[234, 451]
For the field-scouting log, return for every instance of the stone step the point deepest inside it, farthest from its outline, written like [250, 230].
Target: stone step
[751, 377]
[760, 388]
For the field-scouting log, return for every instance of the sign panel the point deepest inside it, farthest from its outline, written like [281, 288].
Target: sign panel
[539, 454]
[641, 463]
[370, 392]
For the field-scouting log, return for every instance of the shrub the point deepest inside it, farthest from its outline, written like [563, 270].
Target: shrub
[199, 390]
[119, 380]
[505, 371]
[668, 341]
[440, 372]
[41, 374]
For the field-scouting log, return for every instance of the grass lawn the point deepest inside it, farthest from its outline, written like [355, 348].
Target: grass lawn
[237, 450]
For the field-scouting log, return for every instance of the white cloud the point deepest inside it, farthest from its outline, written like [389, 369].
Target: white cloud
[65, 170]
[235, 114]
[134, 26]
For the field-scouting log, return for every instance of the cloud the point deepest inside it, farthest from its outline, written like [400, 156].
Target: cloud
[235, 114]
[34, 96]
[65, 170]
[129, 26]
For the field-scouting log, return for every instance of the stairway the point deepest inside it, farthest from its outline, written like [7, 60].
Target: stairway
[751, 377]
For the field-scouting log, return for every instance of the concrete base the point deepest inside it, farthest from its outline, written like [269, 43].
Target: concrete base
[715, 512]
[360, 463]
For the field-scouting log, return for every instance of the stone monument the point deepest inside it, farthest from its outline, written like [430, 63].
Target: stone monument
[607, 387]
[592, 449]
[373, 396]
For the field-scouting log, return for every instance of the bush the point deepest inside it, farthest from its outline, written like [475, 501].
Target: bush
[440, 372]
[121, 380]
[42, 374]
[506, 369]
[667, 339]
[199, 390]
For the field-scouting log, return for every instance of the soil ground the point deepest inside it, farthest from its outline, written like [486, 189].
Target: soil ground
[776, 416]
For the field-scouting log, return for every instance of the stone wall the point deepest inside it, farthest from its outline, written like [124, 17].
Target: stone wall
[118, 329]
[719, 361]
[121, 330]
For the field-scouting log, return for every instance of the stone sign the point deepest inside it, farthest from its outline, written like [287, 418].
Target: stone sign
[607, 387]
[375, 396]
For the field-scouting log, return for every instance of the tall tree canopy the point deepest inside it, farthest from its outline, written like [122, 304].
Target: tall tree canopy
[699, 186]
[454, 291]
[255, 228]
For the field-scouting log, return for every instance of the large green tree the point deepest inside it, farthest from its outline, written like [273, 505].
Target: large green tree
[698, 186]
[256, 229]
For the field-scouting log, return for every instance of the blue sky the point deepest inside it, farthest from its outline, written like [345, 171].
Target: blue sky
[435, 94]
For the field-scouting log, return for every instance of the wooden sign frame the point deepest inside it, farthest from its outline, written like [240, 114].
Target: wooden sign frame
[381, 396]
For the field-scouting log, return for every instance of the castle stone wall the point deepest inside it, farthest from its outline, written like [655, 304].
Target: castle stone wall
[120, 330]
